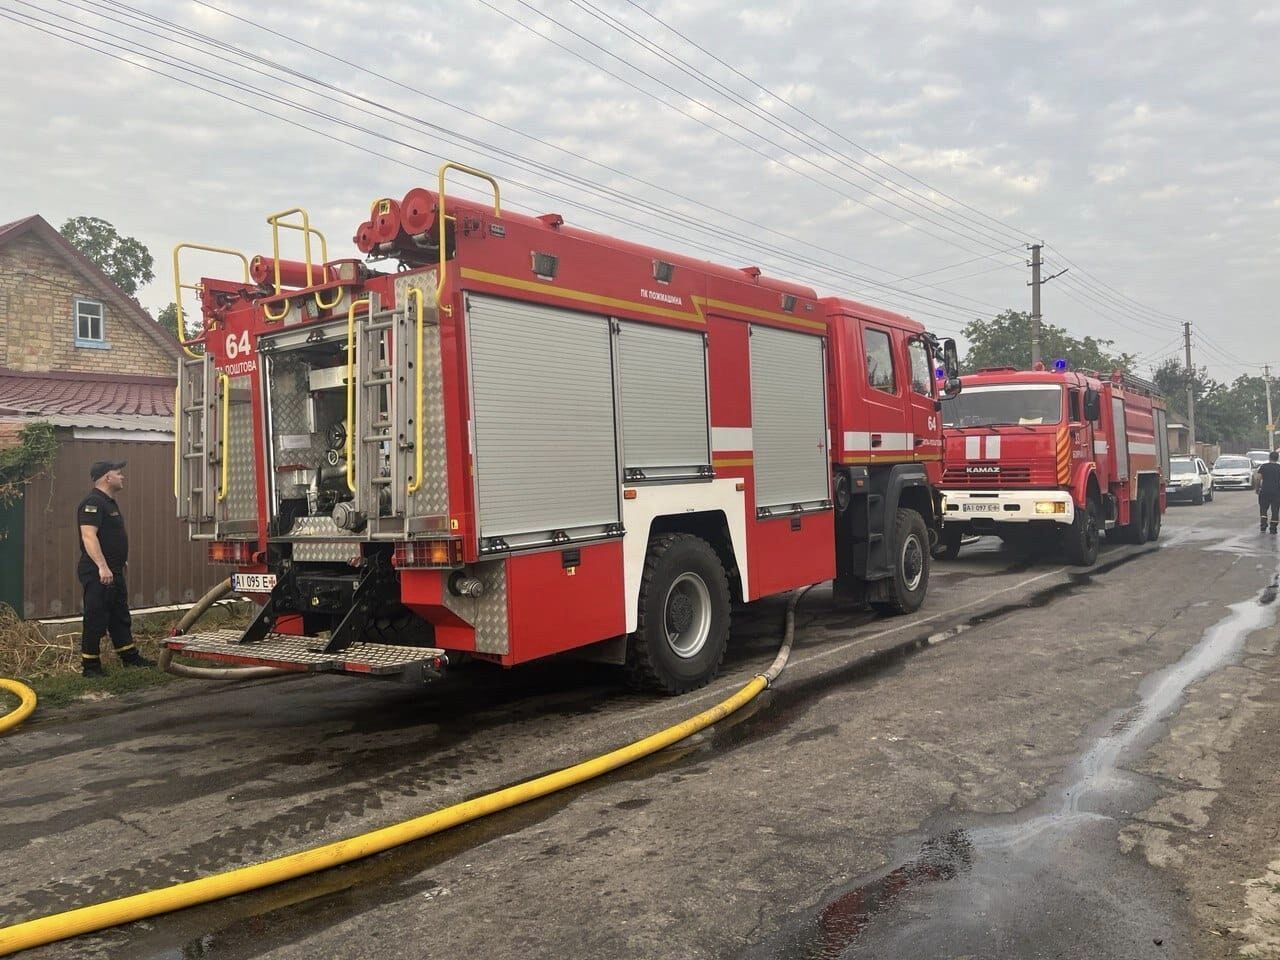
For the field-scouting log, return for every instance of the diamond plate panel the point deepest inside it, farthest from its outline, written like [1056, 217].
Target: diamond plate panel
[241, 502]
[488, 614]
[289, 393]
[432, 498]
[320, 540]
[288, 650]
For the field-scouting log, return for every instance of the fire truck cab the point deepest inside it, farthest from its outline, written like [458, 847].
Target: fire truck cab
[519, 439]
[1056, 455]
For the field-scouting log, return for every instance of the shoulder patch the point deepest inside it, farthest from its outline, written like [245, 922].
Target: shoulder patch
[89, 508]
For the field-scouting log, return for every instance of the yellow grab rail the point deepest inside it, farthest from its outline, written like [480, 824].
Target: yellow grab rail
[179, 286]
[277, 221]
[415, 483]
[224, 481]
[351, 387]
[497, 212]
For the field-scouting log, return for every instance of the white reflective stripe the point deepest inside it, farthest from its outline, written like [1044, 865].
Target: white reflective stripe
[1148, 448]
[860, 442]
[973, 448]
[1099, 446]
[731, 438]
[993, 448]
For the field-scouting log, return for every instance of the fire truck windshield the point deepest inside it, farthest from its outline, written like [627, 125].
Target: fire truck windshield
[1004, 405]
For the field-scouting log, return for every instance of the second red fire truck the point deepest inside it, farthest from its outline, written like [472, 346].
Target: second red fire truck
[1054, 455]
[505, 437]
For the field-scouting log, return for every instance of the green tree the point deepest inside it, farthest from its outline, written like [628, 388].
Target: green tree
[1229, 414]
[124, 259]
[1005, 341]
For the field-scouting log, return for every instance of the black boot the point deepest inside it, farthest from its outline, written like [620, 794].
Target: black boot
[1273, 528]
[91, 668]
[134, 659]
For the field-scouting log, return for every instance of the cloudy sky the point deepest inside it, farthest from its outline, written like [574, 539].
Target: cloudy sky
[902, 151]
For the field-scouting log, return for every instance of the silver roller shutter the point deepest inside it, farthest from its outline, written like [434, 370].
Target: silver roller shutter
[788, 418]
[542, 401]
[1122, 437]
[663, 374]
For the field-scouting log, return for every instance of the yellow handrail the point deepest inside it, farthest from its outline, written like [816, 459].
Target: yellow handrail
[179, 286]
[225, 480]
[277, 221]
[497, 212]
[415, 483]
[351, 387]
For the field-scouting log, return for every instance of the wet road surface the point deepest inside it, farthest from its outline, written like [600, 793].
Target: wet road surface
[949, 784]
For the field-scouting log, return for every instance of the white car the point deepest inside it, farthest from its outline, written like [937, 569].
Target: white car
[1189, 481]
[1233, 473]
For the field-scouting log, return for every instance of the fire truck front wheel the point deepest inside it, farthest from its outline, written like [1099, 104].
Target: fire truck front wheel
[683, 626]
[910, 580]
[1082, 536]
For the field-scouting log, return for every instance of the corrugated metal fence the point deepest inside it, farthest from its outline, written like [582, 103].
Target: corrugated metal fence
[164, 566]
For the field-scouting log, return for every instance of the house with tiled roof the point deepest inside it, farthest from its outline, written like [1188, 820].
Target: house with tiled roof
[79, 353]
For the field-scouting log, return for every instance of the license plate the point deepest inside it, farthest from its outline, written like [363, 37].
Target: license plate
[253, 582]
[979, 508]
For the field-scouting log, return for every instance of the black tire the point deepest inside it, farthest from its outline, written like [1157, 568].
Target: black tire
[910, 580]
[683, 583]
[1082, 536]
[1197, 498]
[948, 546]
[1139, 520]
[1156, 520]
[1209, 495]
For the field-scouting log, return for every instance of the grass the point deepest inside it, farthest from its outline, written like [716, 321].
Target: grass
[52, 667]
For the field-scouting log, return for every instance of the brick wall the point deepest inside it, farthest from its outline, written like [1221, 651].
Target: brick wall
[38, 290]
[9, 430]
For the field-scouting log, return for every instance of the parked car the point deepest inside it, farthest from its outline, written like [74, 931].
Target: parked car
[1259, 457]
[1189, 481]
[1233, 473]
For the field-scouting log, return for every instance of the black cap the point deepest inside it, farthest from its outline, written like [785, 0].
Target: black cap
[102, 467]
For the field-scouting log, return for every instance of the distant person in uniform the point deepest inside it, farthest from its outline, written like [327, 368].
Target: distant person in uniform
[104, 561]
[1269, 492]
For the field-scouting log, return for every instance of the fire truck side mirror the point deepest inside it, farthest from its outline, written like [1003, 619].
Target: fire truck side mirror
[1092, 405]
[951, 368]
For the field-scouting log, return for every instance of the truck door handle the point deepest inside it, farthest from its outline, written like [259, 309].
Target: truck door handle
[876, 439]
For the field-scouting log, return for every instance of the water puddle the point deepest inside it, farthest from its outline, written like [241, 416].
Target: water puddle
[1046, 881]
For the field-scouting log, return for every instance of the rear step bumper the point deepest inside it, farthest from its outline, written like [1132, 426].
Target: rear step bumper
[306, 655]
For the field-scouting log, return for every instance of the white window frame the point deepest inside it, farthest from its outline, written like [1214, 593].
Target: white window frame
[99, 341]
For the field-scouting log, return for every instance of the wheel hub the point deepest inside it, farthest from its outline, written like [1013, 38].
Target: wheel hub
[912, 562]
[687, 615]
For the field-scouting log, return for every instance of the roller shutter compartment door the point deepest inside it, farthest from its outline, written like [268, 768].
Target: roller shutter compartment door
[663, 389]
[542, 402]
[788, 418]
[1122, 437]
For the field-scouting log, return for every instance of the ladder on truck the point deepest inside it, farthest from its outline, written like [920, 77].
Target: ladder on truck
[196, 445]
[378, 441]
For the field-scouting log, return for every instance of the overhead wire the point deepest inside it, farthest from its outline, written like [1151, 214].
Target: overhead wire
[158, 56]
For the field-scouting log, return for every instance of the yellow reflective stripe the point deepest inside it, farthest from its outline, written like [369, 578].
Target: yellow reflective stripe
[123, 649]
[89, 656]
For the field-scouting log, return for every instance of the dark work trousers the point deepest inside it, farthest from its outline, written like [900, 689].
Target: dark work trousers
[106, 610]
[1269, 501]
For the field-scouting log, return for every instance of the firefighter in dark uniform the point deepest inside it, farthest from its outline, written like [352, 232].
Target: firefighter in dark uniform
[1269, 492]
[104, 559]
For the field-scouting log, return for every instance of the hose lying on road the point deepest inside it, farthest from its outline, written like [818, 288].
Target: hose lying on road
[208, 673]
[27, 698]
[34, 933]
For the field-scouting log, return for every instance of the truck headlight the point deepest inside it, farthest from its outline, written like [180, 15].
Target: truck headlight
[1050, 506]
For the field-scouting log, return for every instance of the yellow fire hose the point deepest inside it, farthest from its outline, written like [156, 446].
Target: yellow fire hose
[27, 698]
[60, 926]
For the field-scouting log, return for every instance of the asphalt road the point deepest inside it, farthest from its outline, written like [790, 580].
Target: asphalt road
[985, 778]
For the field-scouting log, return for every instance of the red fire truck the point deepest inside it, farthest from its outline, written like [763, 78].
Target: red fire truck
[1061, 454]
[519, 438]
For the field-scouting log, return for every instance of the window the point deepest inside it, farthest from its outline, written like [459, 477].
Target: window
[1004, 405]
[90, 329]
[921, 369]
[879, 360]
[1073, 401]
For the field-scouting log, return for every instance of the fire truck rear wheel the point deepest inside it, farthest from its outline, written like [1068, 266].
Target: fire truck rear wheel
[683, 627]
[1140, 520]
[1153, 527]
[910, 580]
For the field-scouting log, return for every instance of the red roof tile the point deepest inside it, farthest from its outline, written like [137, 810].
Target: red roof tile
[72, 393]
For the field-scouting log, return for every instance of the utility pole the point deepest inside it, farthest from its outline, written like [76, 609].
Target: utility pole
[1191, 396]
[1036, 283]
[1271, 424]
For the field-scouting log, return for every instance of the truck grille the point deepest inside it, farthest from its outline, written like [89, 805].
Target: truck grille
[1009, 474]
